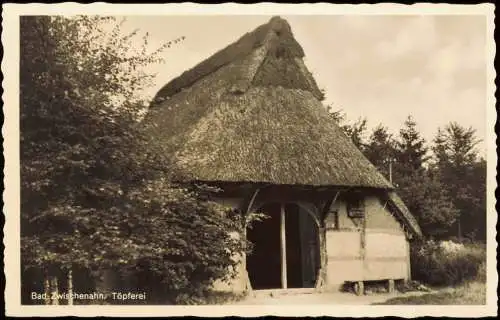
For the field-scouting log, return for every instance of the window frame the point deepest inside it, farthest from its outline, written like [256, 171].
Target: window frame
[355, 206]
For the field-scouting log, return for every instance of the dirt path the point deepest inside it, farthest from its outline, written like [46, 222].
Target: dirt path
[332, 298]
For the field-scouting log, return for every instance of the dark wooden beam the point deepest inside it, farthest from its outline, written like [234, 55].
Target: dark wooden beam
[249, 199]
[249, 204]
[328, 204]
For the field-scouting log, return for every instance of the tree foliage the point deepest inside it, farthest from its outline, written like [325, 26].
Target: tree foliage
[447, 195]
[424, 195]
[355, 130]
[458, 167]
[455, 146]
[97, 193]
[411, 149]
[380, 149]
[428, 199]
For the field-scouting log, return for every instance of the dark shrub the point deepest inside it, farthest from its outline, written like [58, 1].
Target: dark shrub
[446, 263]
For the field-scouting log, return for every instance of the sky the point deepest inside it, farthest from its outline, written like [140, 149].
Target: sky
[381, 67]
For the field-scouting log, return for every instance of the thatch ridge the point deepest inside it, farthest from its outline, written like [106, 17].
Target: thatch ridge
[275, 37]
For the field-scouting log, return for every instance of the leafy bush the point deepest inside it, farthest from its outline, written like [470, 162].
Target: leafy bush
[97, 190]
[189, 244]
[481, 273]
[444, 263]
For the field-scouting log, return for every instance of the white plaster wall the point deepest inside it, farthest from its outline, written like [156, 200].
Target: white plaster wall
[378, 217]
[343, 257]
[341, 244]
[340, 271]
[240, 283]
[386, 247]
[237, 285]
[383, 270]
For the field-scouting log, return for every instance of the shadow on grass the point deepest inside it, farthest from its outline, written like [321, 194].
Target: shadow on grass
[221, 297]
[468, 294]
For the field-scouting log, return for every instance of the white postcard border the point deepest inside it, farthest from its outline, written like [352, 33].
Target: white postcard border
[10, 131]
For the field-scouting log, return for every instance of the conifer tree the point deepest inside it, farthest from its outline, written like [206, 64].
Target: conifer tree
[464, 176]
[380, 150]
[410, 151]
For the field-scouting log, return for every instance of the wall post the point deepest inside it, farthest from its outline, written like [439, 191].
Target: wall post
[283, 248]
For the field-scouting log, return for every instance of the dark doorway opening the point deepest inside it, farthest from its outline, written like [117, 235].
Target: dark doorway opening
[264, 264]
[293, 247]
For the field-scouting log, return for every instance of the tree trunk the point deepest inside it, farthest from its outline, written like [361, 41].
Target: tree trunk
[46, 289]
[54, 291]
[459, 230]
[70, 287]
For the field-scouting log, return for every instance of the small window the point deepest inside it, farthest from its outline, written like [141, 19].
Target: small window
[355, 206]
[332, 222]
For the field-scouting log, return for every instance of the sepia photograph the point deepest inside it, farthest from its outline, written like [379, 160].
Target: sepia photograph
[250, 157]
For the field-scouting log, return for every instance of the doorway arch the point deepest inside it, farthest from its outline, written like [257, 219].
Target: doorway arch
[285, 247]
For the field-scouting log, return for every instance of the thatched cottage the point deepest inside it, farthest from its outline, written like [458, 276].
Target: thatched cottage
[249, 120]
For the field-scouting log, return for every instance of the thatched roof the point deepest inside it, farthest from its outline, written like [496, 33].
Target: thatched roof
[252, 113]
[270, 47]
[405, 213]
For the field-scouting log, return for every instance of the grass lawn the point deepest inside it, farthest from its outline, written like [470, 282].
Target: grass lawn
[473, 293]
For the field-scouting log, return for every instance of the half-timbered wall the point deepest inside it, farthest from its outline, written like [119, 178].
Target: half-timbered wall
[357, 250]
